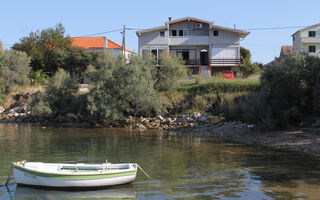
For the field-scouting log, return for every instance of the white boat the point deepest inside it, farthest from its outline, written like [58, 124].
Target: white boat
[73, 175]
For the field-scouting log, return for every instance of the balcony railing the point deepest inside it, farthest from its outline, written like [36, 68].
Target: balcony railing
[224, 62]
[192, 62]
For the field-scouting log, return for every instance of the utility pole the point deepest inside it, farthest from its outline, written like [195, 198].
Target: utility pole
[124, 40]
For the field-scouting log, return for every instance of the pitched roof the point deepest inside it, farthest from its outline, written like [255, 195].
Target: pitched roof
[96, 43]
[286, 50]
[242, 33]
[89, 42]
[188, 18]
[306, 28]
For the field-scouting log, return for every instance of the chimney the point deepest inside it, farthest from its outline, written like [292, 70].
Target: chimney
[169, 18]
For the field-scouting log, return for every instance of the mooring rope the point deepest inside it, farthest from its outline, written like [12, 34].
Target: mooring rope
[144, 172]
[9, 176]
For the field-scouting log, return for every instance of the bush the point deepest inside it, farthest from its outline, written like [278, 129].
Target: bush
[171, 70]
[119, 89]
[61, 95]
[39, 106]
[289, 93]
[14, 71]
[61, 90]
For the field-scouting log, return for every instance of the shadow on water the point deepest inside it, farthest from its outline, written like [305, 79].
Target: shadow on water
[181, 167]
[127, 192]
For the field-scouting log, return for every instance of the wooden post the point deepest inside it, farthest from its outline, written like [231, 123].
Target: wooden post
[124, 41]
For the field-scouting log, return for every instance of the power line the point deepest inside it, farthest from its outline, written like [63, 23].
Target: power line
[116, 30]
[272, 28]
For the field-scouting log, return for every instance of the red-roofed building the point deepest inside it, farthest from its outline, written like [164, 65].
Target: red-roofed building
[100, 44]
[286, 50]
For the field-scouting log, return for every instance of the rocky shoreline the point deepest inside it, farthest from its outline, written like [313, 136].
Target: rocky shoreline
[305, 140]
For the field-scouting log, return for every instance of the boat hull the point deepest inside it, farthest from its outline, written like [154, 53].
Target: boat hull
[99, 180]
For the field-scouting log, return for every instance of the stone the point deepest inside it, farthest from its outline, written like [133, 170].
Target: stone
[71, 115]
[16, 114]
[203, 118]
[250, 126]
[160, 118]
[196, 115]
[11, 111]
[2, 109]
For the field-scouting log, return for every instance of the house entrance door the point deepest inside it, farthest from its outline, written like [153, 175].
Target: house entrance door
[204, 57]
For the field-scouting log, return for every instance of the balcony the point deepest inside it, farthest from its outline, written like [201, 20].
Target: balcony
[214, 62]
[224, 62]
[310, 39]
[189, 40]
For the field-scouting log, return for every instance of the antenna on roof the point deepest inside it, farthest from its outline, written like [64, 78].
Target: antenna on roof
[169, 18]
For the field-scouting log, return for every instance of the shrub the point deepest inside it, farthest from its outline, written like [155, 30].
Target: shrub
[39, 106]
[171, 70]
[61, 90]
[119, 89]
[289, 93]
[14, 71]
[38, 76]
[61, 95]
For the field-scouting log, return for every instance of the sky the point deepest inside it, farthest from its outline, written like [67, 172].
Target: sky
[81, 18]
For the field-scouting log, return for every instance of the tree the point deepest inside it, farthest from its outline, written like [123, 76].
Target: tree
[248, 67]
[172, 69]
[14, 71]
[245, 55]
[123, 89]
[51, 50]
[289, 93]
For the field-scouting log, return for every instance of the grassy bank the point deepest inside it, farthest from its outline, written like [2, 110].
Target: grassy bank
[215, 96]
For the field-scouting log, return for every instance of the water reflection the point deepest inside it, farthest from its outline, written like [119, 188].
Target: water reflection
[181, 167]
[26, 193]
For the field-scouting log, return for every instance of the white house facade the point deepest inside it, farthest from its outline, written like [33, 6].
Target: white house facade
[307, 40]
[199, 42]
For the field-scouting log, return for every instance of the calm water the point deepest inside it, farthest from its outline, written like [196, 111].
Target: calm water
[182, 168]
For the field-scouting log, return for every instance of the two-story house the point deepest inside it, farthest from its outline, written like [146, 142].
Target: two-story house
[307, 40]
[202, 44]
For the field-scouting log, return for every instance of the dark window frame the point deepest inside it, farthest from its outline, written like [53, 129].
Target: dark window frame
[312, 33]
[162, 34]
[312, 49]
[173, 32]
[215, 33]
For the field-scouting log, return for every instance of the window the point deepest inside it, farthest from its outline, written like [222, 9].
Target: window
[185, 32]
[312, 34]
[312, 49]
[293, 38]
[174, 32]
[161, 33]
[180, 32]
[198, 25]
[215, 33]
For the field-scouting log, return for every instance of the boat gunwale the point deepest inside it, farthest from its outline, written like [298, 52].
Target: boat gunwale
[125, 172]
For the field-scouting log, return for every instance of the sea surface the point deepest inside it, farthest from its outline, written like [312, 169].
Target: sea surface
[180, 167]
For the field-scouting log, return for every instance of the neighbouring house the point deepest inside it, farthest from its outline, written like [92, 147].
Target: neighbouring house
[307, 40]
[204, 46]
[286, 50]
[100, 44]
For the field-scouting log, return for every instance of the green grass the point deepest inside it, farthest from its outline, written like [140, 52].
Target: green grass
[225, 96]
[218, 85]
